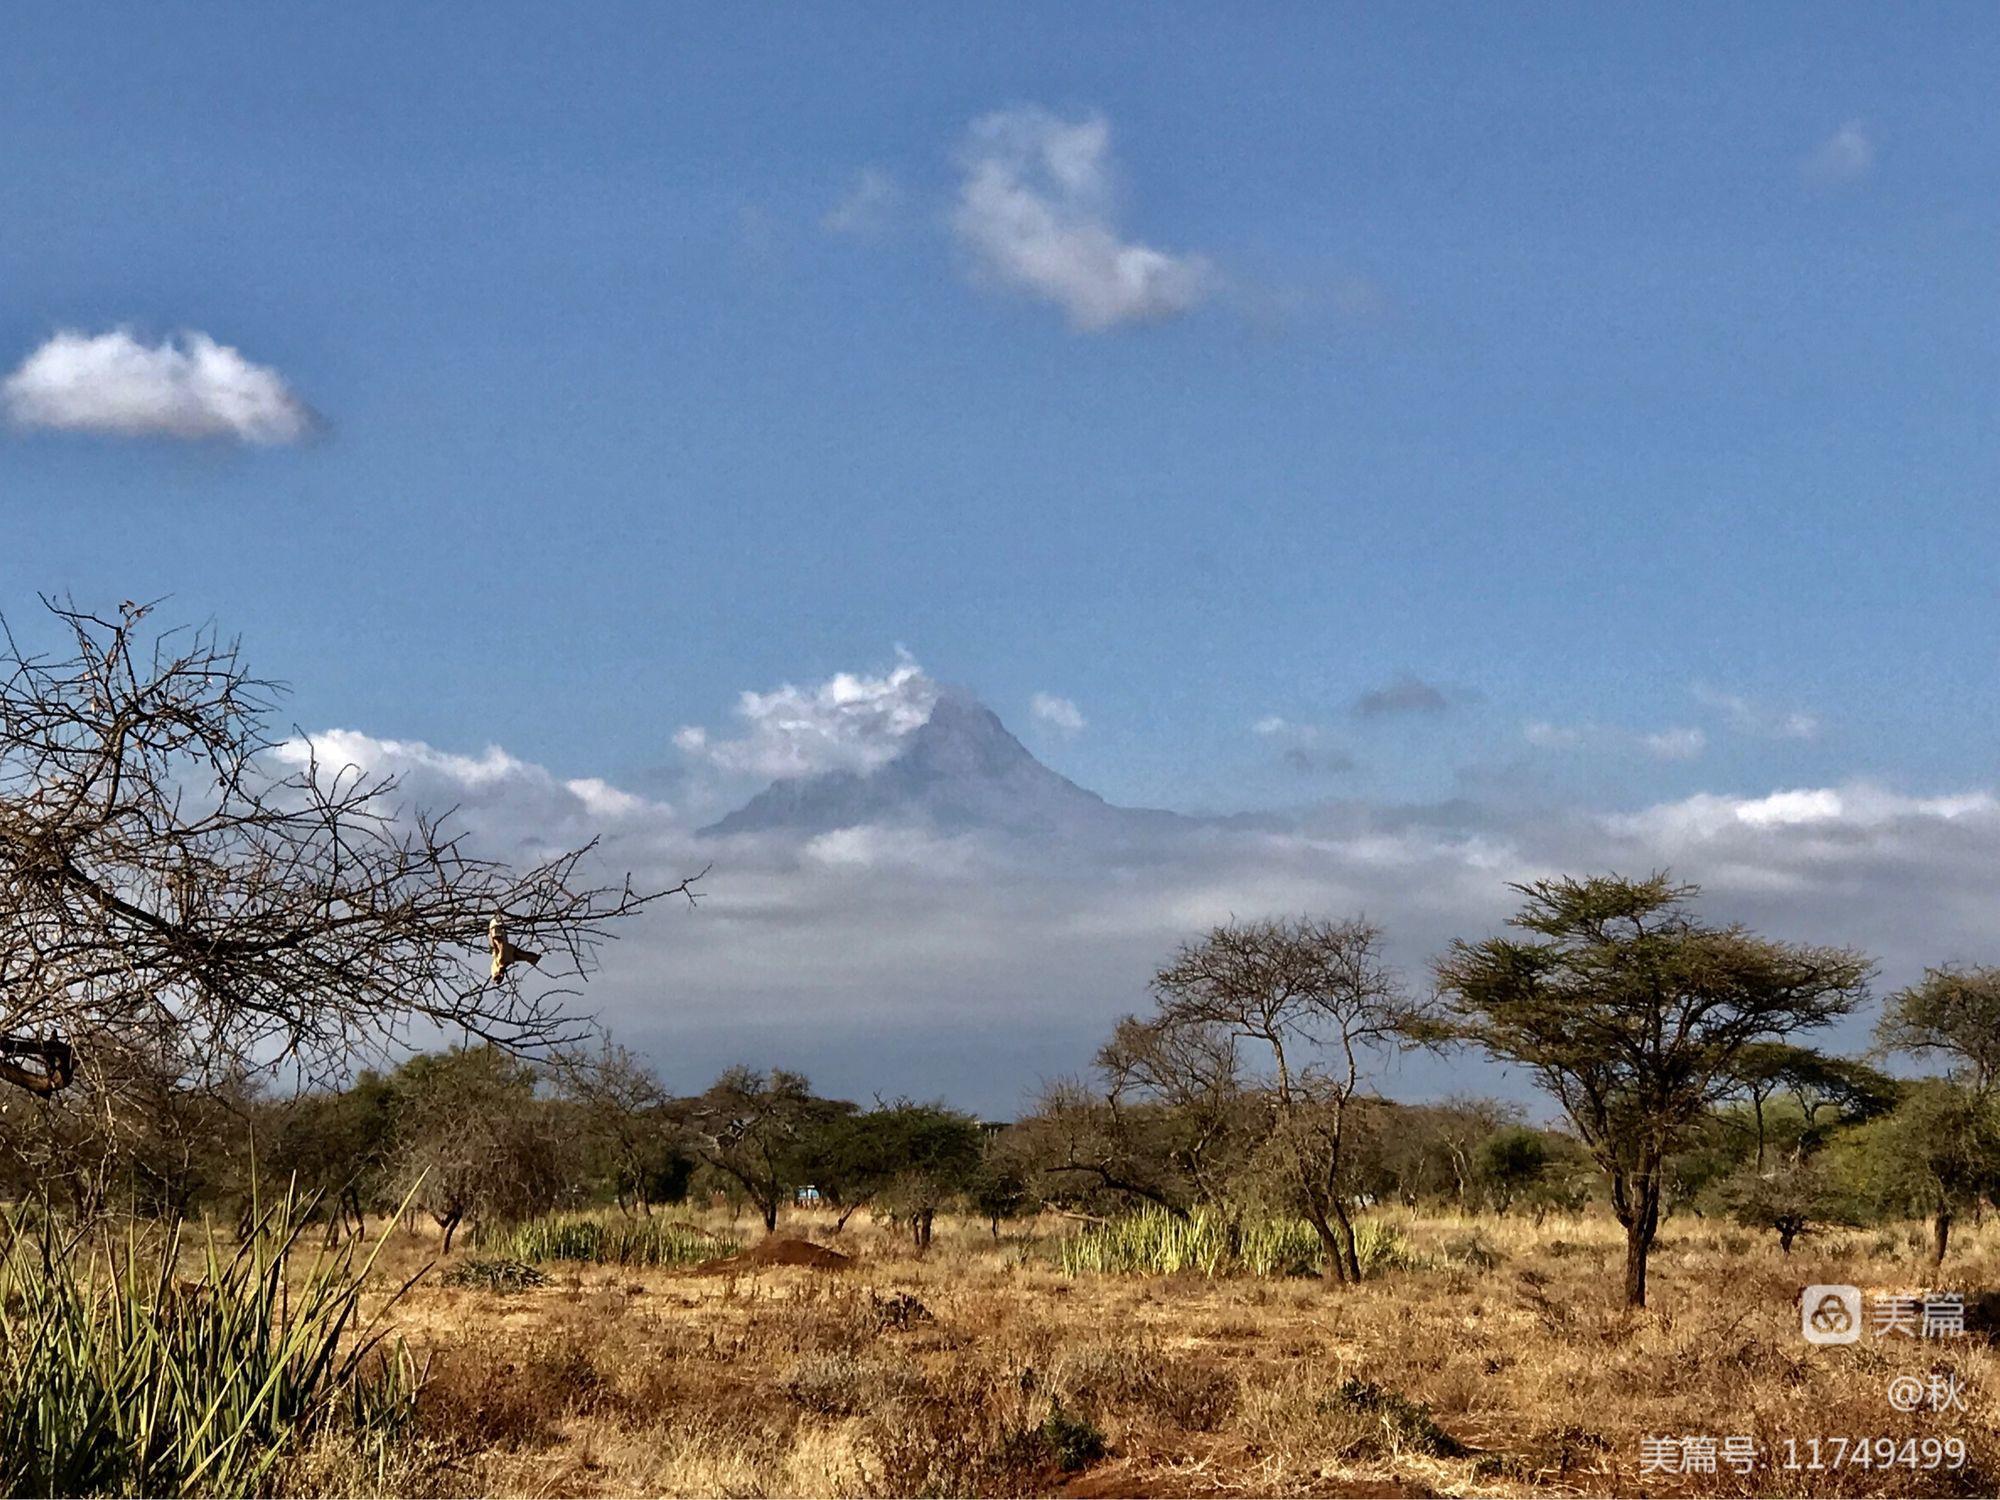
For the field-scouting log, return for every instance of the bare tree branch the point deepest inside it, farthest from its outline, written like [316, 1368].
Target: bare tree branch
[170, 876]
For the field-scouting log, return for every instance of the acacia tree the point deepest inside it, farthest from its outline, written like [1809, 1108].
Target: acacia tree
[1948, 1132]
[1937, 1156]
[1953, 1013]
[1208, 1122]
[759, 1131]
[472, 1140]
[1633, 1014]
[619, 1108]
[934, 1155]
[176, 881]
[339, 1143]
[1083, 1148]
[1316, 1000]
[1817, 1084]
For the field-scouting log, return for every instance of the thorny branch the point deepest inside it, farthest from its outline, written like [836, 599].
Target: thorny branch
[174, 879]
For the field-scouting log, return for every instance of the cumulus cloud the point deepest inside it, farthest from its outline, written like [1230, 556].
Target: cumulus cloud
[188, 386]
[1035, 214]
[1748, 716]
[1847, 156]
[1860, 806]
[1405, 695]
[1060, 714]
[512, 806]
[862, 956]
[867, 207]
[853, 721]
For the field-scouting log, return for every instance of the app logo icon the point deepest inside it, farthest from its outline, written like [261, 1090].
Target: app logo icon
[1830, 1314]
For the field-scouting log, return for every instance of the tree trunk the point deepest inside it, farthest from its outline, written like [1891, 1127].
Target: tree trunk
[1347, 1245]
[1785, 1233]
[1940, 1236]
[770, 1216]
[1333, 1260]
[450, 1227]
[1635, 1198]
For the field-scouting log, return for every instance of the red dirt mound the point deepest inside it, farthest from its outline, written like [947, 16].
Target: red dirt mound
[778, 1252]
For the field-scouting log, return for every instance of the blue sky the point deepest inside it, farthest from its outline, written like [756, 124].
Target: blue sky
[1545, 366]
[1628, 377]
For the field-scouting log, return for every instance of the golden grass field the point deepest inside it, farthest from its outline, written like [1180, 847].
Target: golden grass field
[790, 1381]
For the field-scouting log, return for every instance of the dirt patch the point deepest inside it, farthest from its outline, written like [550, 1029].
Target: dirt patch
[777, 1252]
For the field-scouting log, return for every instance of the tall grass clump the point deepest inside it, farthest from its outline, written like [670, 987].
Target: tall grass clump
[135, 1364]
[623, 1242]
[1150, 1243]
[1153, 1242]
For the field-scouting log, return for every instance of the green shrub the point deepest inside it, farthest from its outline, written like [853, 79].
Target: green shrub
[122, 1375]
[623, 1242]
[1407, 1426]
[497, 1275]
[1381, 1247]
[1073, 1439]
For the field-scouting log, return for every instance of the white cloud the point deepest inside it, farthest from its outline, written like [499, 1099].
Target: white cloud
[1855, 807]
[1675, 744]
[868, 205]
[1747, 716]
[1058, 713]
[1678, 743]
[1546, 736]
[1035, 211]
[851, 722]
[508, 802]
[1846, 156]
[1270, 724]
[862, 956]
[184, 387]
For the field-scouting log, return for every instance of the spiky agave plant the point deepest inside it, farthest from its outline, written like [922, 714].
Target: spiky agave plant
[1153, 1242]
[625, 1242]
[120, 1374]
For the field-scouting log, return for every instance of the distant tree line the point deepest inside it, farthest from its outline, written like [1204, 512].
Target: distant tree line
[1676, 1052]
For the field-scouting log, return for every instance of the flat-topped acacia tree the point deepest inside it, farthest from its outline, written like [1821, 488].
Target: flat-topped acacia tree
[169, 884]
[1635, 1015]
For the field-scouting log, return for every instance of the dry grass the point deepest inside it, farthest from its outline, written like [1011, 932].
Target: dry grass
[1502, 1366]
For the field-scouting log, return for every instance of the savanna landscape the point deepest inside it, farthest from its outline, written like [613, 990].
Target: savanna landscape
[1149, 749]
[1216, 1259]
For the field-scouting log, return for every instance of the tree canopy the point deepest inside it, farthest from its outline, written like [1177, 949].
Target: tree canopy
[1634, 1013]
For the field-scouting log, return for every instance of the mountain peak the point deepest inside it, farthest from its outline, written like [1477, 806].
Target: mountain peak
[959, 771]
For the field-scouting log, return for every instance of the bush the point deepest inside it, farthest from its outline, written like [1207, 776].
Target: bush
[499, 1275]
[1407, 1426]
[623, 1242]
[1074, 1441]
[120, 1376]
